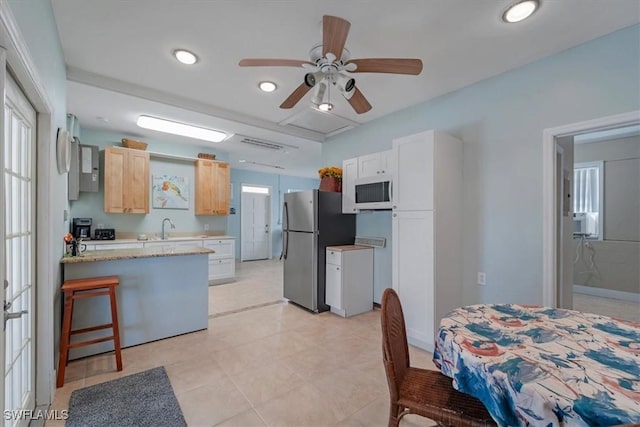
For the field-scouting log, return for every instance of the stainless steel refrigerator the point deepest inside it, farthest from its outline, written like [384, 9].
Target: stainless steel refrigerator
[312, 220]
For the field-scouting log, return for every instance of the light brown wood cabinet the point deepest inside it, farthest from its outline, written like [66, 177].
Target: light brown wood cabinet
[126, 181]
[212, 187]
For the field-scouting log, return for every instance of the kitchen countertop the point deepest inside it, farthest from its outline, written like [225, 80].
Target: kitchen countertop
[341, 248]
[117, 254]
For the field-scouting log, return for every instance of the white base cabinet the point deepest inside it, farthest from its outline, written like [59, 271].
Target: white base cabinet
[349, 279]
[427, 231]
[222, 263]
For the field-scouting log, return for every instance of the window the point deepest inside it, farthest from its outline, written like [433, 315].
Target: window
[588, 179]
[254, 189]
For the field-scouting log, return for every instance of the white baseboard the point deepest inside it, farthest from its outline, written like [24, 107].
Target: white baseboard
[606, 293]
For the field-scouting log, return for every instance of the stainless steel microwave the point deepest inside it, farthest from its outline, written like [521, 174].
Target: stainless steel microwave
[374, 192]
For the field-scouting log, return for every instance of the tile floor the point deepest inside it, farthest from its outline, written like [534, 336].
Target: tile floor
[626, 310]
[274, 364]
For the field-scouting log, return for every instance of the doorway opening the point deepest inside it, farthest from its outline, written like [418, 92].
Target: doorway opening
[591, 222]
[255, 223]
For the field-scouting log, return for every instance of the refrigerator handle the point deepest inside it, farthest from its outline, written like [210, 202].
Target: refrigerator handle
[285, 232]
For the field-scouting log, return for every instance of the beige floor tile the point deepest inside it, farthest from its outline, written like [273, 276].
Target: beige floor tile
[303, 406]
[246, 419]
[63, 394]
[75, 370]
[210, 405]
[348, 390]
[266, 382]
[185, 376]
[376, 414]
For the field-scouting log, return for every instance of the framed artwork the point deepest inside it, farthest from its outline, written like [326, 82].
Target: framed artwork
[170, 192]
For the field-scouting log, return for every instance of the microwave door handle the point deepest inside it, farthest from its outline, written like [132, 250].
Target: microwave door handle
[390, 191]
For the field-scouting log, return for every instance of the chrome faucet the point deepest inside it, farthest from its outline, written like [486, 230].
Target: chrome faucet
[163, 236]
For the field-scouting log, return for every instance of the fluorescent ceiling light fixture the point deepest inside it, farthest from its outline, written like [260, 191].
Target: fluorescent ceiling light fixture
[520, 11]
[267, 86]
[176, 128]
[185, 56]
[325, 106]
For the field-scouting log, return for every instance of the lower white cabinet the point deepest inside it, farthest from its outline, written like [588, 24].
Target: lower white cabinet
[222, 263]
[349, 279]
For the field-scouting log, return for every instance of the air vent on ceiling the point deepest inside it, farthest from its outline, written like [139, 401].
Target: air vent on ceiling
[261, 143]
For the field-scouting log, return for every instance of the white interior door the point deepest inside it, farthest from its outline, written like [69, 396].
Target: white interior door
[255, 226]
[17, 191]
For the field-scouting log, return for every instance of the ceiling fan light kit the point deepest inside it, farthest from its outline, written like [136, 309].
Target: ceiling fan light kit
[520, 11]
[330, 62]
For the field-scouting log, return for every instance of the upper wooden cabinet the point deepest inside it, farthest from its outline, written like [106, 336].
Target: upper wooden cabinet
[212, 187]
[126, 181]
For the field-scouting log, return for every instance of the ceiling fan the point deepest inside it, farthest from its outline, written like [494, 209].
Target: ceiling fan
[328, 67]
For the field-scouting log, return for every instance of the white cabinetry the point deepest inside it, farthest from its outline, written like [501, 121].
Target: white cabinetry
[222, 263]
[426, 231]
[380, 163]
[349, 279]
[375, 164]
[349, 175]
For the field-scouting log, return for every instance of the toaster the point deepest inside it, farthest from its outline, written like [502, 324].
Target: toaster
[105, 234]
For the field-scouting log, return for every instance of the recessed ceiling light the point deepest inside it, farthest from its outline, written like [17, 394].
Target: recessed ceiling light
[325, 106]
[182, 129]
[267, 86]
[520, 11]
[185, 56]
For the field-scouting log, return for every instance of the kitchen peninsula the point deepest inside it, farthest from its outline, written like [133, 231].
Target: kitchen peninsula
[163, 292]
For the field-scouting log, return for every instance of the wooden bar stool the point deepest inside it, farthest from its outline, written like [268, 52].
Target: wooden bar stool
[87, 288]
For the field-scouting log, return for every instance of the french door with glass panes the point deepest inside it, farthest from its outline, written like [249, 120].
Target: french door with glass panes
[17, 226]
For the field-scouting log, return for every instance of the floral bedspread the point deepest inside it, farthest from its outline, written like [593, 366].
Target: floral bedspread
[542, 366]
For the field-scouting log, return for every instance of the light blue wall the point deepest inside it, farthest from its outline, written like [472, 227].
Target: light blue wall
[280, 184]
[501, 121]
[92, 204]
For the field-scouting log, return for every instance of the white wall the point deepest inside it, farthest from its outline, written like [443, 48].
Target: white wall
[501, 121]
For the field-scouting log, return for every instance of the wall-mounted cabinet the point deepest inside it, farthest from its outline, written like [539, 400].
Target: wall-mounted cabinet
[212, 187]
[375, 164]
[126, 181]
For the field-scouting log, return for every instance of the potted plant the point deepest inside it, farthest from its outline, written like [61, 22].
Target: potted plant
[330, 178]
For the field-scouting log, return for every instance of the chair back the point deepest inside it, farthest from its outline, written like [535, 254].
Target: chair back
[395, 350]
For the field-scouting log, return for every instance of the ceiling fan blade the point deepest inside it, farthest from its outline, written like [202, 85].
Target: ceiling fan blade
[272, 62]
[387, 65]
[334, 35]
[359, 102]
[295, 96]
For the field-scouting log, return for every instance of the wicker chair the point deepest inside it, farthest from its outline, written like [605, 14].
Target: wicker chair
[420, 391]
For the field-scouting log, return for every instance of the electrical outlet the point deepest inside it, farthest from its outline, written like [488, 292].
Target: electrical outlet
[206, 227]
[482, 278]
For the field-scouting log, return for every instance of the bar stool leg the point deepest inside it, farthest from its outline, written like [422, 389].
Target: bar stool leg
[116, 329]
[65, 337]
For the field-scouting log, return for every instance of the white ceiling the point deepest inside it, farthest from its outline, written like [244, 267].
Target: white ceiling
[118, 55]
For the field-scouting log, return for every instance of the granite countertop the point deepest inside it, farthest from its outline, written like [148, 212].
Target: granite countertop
[341, 248]
[117, 254]
[151, 240]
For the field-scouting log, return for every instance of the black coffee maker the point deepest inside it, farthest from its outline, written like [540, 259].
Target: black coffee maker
[81, 228]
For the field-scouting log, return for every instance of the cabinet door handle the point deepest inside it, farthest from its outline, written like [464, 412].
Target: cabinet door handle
[395, 215]
[337, 268]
